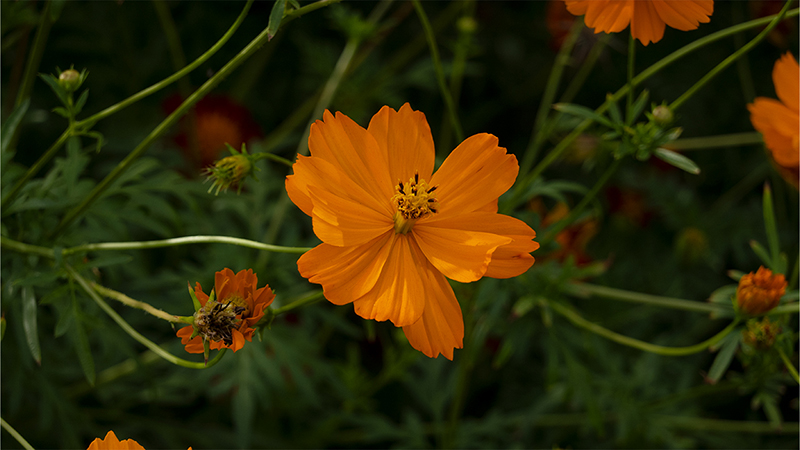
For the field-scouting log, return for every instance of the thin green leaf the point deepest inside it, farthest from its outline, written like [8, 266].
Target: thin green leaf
[61, 111]
[677, 160]
[771, 228]
[583, 112]
[80, 102]
[52, 81]
[761, 252]
[275, 18]
[638, 106]
[294, 4]
[11, 124]
[81, 343]
[613, 110]
[724, 357]
[29, 323]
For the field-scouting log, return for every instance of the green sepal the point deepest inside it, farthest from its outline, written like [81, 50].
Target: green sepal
[275, 18]
[195, 301]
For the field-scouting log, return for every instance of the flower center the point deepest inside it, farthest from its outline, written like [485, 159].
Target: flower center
[216, 320]
[414, 200]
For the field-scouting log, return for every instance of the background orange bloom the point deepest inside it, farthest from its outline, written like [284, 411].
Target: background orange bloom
[110, 442]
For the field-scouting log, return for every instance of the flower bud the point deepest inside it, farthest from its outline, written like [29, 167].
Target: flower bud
[229, 171]
[759, 292]
[761, 334]
[467, 24]
[663, 115]
[70, 80]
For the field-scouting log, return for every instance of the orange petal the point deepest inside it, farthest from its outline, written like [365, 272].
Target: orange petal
[238, 340]
[475, 173]
[786, 76]
[224, 284]
[779, 126]
[343, 143]
[684, 15]
[461, 255]
[346, 273]
[610, 16]
[646, 25]
[405, 139]
[344, 222]
[441, 328]
[201, 296]
[193, 345]
[577, 7]
[400, 293]
[110, 442]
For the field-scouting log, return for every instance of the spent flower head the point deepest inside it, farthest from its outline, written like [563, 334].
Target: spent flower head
[231, 170]
[760, 291]
[761, 334]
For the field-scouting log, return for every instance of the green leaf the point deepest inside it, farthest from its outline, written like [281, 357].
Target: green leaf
[724, 357]
[29, 323]
[80, 102]
[61, 111]
[723, 296]
[81, 343]
[275, 18]
[761, 252]
[52, 81]
[584, 112]
[613, 110]
[638, 106]
[677, 160]
[11, 124]
[771, 228]
[294, 4]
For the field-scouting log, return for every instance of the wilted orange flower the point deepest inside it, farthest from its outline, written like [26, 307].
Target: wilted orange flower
[110, 442]
[759, 292]
[392, 231]
[647, 18]
[779, 121]
[228, 320]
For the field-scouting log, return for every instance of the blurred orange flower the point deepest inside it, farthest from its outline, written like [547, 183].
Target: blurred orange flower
[228, 320]
[573, 239]
[759, 292]
[779, 121]
[110, 442]
[647, 18]
[393, 232]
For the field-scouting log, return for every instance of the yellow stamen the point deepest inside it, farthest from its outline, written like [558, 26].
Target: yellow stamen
[414, 200]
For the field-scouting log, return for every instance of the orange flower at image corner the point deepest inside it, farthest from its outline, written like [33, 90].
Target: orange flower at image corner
[779, 120]
[110, 442]
[240, 290]
[393, 231]
[647, 18]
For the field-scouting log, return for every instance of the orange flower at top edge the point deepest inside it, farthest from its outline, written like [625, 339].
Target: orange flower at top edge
[647, 18]
[393, 231]
[228, 320]
[110, 442]
[779, 121]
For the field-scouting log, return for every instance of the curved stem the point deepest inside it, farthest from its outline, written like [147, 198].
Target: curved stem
[631, 63]
[789, 365]
[15, 435]
[584, 290]
[437, 65]
[183, 241]
[146, 307]
[36, 167]
[731, 59]
[26, 248]
[273, 157]
[576, 319]
[35, 57]
[135, 334]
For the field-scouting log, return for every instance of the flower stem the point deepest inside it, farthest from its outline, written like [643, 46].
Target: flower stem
[789, 365]
[585, 290]
[437, 65]
[36, 167]
[309, 299]
[15, 435]
[135, 334]
[631, 64]
[35, 56]
[26, 248]
[146, 307]
[576, 319]
[273, 157]
[721, 141]
[183, 241]
[586, 68]
[731, 59]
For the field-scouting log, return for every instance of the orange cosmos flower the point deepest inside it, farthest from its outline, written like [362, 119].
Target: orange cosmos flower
[392, 231]
[228, 320]
[779, 121]
[759, 292]
[110, 442]
[646, 17]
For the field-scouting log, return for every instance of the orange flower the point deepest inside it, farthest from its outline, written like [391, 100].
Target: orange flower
[110, 442]
[759, 292]
[646, 17]
[779, 121]
[228, 320]
[392, 231]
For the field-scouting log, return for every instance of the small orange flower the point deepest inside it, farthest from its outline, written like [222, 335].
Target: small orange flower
[228, 320]
[110, 442]
[647, 18]
[759, 292]
[779, 121]
[393, 231]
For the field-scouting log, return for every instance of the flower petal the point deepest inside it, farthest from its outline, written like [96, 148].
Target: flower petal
[400, 292]
[405, 139]
[779, 126]
[786, 76]
[685, 15]
[476, 172]
[344, 222]
[646, 24]
[238, 340]
[193, 345]
[346, 273]
[610, 16]
[224, 283]
[441, 327]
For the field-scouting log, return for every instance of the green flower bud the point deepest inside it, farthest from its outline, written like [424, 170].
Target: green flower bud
[70, 80]
[663, 115]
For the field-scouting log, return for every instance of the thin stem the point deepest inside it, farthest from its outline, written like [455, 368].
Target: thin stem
[631, 64]
[135, 334]
[26, 248]
[146, 307]
[578, 209]
[273, 157]
[789, 365]
[35, 57]
[437, 65]
[721, 141]
[15, 435]
[585, 290]
[201, 92]
[731, 59]
[36, 167]
[183, 241]
[309, 299]
[576, 319]
[112, 373]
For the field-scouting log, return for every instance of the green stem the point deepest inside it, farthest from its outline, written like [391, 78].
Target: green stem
[721, 141]
[112, 373]
[465, 365]
[36, 167]
[26, 248]
[731, 59]
[631, 64]
[309, 299]
[35, 57]
[576, 319]
[437, 65]
[585, 290]
[789, 308]
[578, 209]
[789, 365]
[586, 68]
[201, 92]
[15, 435]
[171, 33]
[146, 307]
[273, 157]
[135, 334]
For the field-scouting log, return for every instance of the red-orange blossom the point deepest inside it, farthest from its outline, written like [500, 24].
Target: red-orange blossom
[392, 231]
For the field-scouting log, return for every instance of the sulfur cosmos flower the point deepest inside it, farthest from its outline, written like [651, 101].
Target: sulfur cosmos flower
[110, 442]
[759, 292]
[779, 121]
[393, 231]
[227, 320]
[647, 18]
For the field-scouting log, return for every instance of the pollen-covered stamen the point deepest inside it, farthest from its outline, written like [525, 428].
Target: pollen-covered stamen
[216, 320]
[413, 200]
